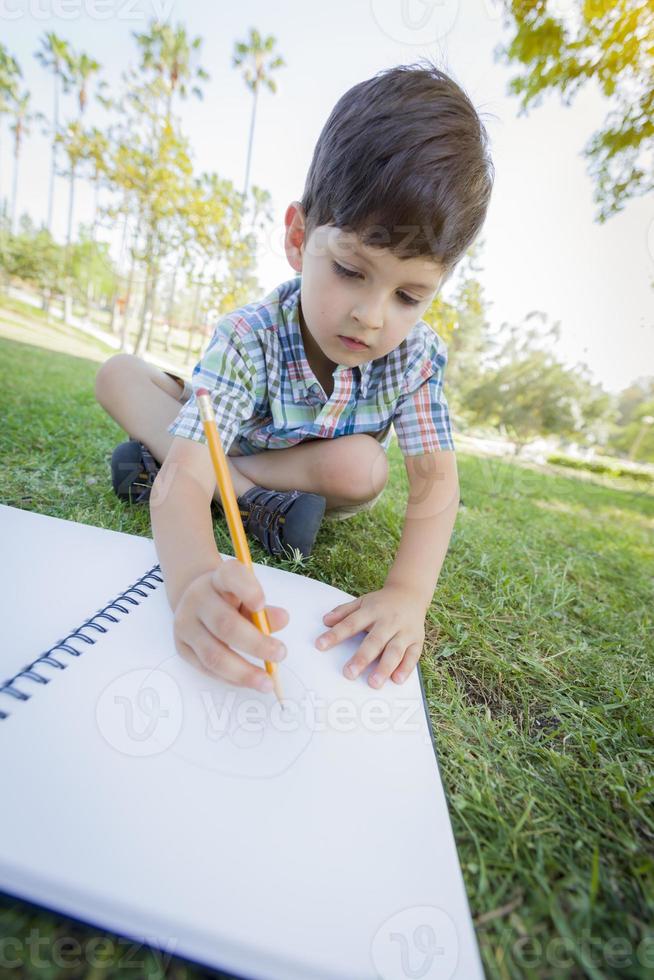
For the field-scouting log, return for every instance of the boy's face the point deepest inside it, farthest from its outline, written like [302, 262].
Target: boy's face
[350, 290]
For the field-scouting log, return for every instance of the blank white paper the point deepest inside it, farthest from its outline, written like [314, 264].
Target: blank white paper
[169, 807]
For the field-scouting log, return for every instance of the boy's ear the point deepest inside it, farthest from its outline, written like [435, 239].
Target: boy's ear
[294, 239]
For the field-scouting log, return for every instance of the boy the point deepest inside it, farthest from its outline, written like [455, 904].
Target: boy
[307, 382]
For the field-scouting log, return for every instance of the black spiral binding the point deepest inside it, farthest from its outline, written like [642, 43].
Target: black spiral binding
[65, 645]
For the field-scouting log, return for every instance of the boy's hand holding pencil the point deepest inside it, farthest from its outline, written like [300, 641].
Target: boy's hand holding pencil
[226, 605]
[215, 614]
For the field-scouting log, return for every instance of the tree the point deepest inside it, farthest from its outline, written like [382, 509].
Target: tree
[611, 41]
[462, 324]
[33, 255]
[529, 393]
[20, 127]
[76, 143]
[255, 57]
[91, 267]
[169, 53]
[632, 435]
[218, 257]
[97, 149]
[154, 178]
[10, 76]
[54, 55]
[81, 70]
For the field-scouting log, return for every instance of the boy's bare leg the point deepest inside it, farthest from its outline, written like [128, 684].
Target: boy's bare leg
[330, 467]
[144, 401]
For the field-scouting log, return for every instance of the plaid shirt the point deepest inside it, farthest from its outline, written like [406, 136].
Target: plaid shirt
[266, 396]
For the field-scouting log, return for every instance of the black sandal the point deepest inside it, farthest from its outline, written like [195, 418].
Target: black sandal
[282, 520]
[133, 469]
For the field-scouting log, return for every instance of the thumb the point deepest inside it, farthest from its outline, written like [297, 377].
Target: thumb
[278, 617]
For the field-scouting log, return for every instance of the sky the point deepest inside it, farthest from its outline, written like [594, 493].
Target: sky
[541, 248]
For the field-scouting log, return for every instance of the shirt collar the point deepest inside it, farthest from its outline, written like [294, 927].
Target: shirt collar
[301, 376]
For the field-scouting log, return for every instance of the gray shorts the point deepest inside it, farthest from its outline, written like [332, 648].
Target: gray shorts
[332, 513]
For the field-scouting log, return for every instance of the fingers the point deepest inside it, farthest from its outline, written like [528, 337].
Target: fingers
[233, 576]
[237, 583]
[411, 658]
[229, 626]
[214, 659]
[335, 615]
[396, 660]
[354, 623]
[369, 650]
[277, 617]
[391, 658]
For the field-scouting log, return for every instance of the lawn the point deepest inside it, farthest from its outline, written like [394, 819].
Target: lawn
[538, 669]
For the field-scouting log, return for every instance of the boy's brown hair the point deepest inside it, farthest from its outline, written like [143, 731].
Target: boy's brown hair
[403, 162]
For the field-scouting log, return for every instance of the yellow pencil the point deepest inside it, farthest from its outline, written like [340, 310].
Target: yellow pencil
[232, 513]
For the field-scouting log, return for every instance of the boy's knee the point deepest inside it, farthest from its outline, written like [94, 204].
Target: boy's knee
[112, 374]
[362, 467]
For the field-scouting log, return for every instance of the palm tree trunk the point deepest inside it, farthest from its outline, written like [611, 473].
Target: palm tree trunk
[191, 329]
[71, 199]
[116, 293]
[128, 296]
[153, 310]
[1, 199]
[247, 166]
[171, 300]
[96, 195]
[68, 299]
[53, 159]
[14, 195]
[139, 346]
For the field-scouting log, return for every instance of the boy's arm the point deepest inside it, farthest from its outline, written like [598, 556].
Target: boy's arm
[394, 615]
[180, 510]
[430, 515]
[210, 598]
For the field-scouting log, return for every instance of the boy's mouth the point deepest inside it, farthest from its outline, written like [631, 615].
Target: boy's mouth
[352, 343]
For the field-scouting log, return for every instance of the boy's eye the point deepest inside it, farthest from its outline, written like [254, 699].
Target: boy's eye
[340, 270]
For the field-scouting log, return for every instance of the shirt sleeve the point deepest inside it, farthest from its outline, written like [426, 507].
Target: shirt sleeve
[422, 418]
[228, 371]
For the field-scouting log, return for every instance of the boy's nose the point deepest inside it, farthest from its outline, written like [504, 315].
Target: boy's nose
[368, 319]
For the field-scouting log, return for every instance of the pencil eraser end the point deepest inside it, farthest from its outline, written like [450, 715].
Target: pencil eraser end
[201, 391]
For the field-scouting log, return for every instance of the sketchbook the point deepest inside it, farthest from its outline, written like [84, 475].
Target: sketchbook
[149, 799]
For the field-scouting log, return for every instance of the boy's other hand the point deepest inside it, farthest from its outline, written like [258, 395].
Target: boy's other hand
[213, 615]
[395, 620]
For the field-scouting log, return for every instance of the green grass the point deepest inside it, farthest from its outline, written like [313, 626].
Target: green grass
[538, 670]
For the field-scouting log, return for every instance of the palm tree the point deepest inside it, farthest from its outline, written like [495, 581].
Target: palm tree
[76, 147]
[75, 143]
[20, 127]
[256, 58]
[54, 55]
[97, 155]
[169, 53]
[10, 74]
[81, 69]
